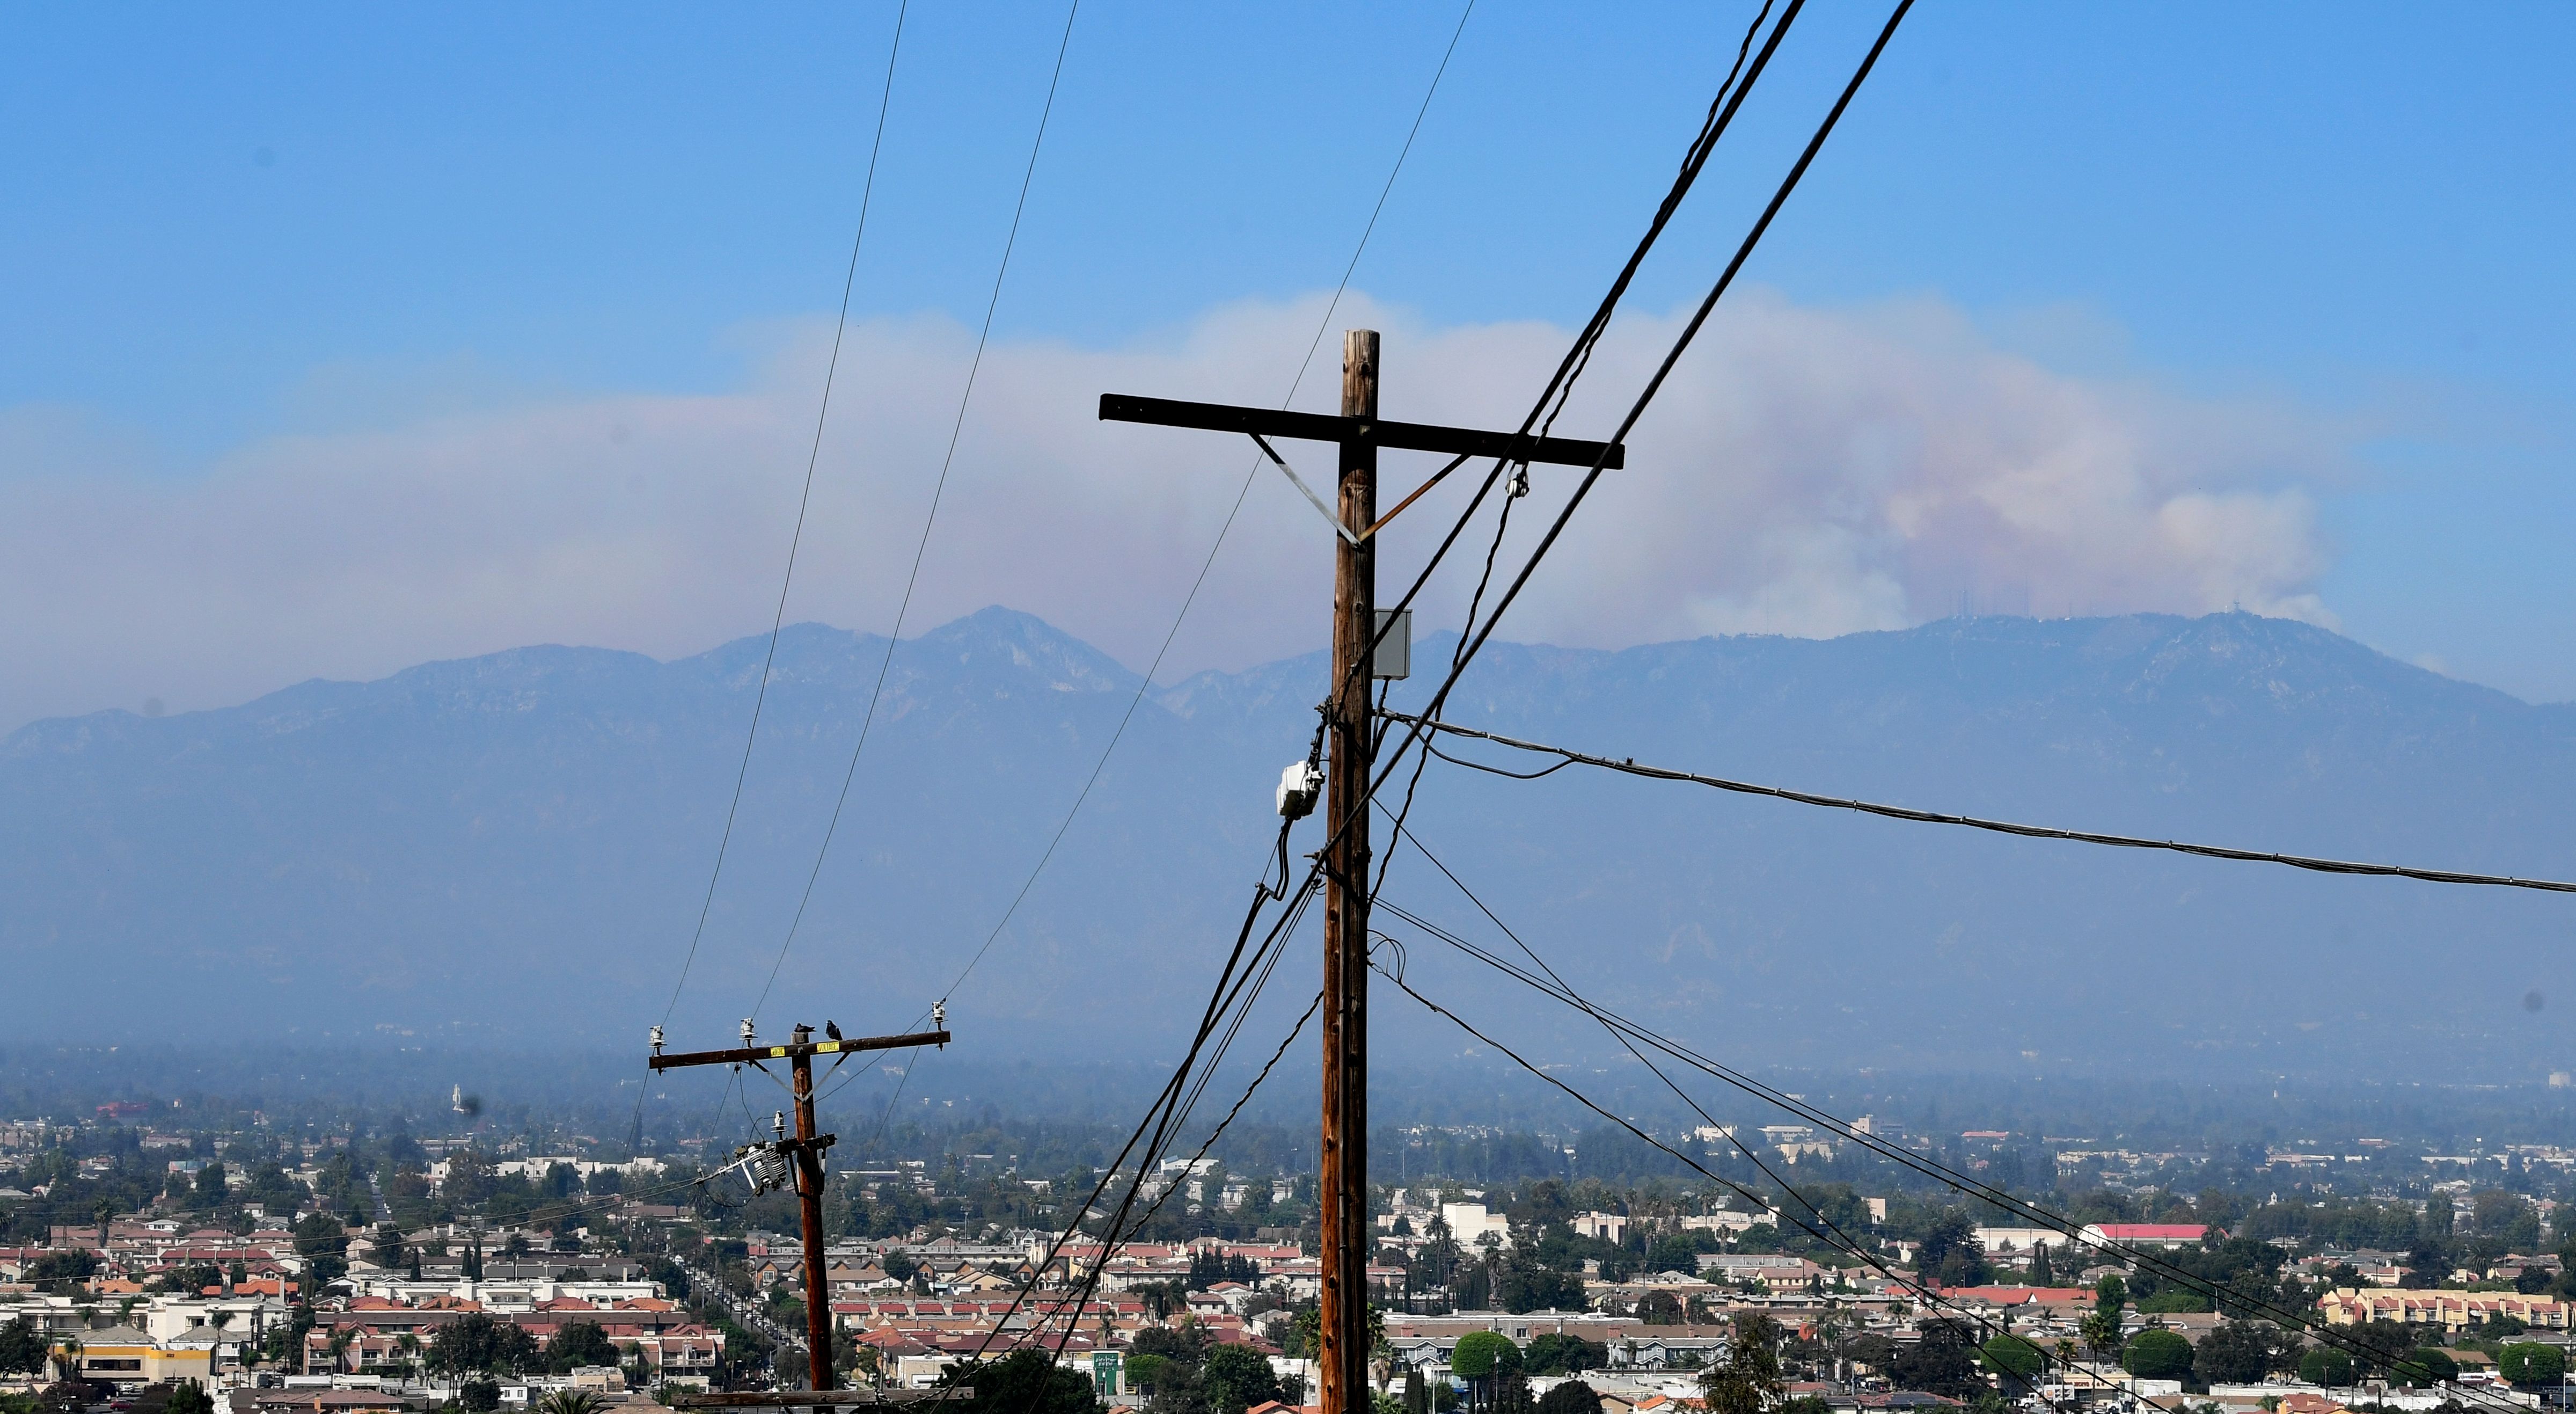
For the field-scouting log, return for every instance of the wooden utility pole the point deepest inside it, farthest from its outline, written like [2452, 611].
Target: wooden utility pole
[806, 1152]
[1342, 1173]
[1342, 1187]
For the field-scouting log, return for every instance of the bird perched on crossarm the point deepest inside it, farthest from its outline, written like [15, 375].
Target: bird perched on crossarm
[832, 1029]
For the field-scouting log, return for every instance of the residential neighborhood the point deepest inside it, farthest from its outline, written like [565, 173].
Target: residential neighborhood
[480, 1271]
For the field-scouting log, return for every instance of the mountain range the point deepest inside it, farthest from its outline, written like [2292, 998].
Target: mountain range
[516, 849]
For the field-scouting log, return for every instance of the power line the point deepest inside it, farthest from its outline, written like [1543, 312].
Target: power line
[1839, 1241]
[1730, 96]
[796, 538]
[938, 490]
[1628, 766]
[1730, 100]
[1145, 683]
[1623, 1028]
[1160, 1116]
[1654, 385]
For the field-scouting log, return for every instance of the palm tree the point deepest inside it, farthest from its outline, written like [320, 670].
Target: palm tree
[570, 1401]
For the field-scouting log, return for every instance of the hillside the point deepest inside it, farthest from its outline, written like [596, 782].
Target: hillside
[516, 846]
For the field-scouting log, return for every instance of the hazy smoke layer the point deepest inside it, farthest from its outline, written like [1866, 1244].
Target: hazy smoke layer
[1807, 472]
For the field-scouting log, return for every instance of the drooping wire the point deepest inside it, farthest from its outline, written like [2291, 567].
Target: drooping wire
[1654, 385]
[1739, 83]
[1555, 987]
[1207, 562]
[1159, 1116]
[1731, 93]
[938, 492]
[1828, 1233]
[796, 538]
[1628, 766]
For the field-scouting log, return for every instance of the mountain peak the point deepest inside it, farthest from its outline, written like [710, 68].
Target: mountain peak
[994, 636]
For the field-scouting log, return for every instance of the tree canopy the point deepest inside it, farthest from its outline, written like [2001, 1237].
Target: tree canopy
[1943, 1361]
[2157, 1354]
[1025, 1381]
[1236, 1377]
[2009, 1354]
[579, 1343]
[1556, 1353]
[1571, 1397]
[2238, 1352]
[1482, 1354]
[1747, 1381]
[22, 1349]
[2428, 1367]
[2531, 1363]
[2323, 1365]
[477, 1342]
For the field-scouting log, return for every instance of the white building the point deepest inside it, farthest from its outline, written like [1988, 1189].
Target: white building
[1469, 1222]
[1608, 1227]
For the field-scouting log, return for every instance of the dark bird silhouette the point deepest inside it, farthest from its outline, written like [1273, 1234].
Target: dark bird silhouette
[832, 1029]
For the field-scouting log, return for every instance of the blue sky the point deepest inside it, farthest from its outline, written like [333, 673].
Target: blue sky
[232, 231]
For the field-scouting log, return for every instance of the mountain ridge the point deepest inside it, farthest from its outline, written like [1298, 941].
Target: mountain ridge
[520, 839]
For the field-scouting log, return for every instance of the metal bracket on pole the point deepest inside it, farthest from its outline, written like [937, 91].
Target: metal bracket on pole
[1312, 499]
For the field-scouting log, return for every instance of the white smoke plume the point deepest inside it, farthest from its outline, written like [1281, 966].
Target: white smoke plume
[1807, 471]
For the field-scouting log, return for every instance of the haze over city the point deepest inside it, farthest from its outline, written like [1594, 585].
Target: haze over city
[1465, 709]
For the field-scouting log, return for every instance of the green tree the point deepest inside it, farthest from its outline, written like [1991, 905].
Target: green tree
[2101, 1329]
[2174, 1301]
[2238, 1352]
[479, 1396]
[188, 1397]
[1483, 1354]
[1555, 1353]
[62, 1269]
[22, 1349]
[1236, 1377]
[570, 1401]
[1942, 1361]
[1146, 1372]
[479, 1343]
[469, 1178]
[1949, 1254]
[321, 1241]
[1025, 1381]
[211, 1188]
[2014, 1356]
[2429, 1366]
[1571, 1397]
[2157, 1354]
[579, 1343]
[2531, 1363]
[1747, 1380]
[2325, 1365]
[1523, 1284]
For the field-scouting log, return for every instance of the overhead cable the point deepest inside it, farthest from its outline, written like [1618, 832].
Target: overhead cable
[796, 538]
[1625, 1029]
[1627, 766]
[1654, 385]
[1929, 1296]
[1207, 562]
[938, 491]
[1163, 1115]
